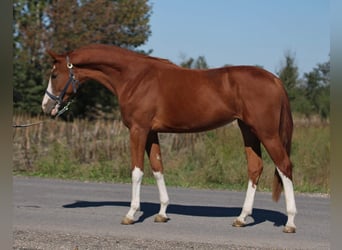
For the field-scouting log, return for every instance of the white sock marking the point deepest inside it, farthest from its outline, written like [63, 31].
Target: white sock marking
[289, 199]
[163, 196]
[137, 175]
[248, 204]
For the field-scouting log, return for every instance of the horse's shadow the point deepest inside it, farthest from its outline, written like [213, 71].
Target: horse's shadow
[150, 209]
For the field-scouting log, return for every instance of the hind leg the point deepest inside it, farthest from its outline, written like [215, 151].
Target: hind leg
[284, 167]
[153, 152]
[254, 161]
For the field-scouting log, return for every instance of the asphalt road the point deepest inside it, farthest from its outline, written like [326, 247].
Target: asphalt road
[56, 214]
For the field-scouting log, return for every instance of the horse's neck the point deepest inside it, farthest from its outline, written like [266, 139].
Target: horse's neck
[106, 71]
[113, 56]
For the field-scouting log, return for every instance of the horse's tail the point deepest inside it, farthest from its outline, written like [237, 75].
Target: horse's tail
[285, 132]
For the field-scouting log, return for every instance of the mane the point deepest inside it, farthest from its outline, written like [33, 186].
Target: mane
[126, 52]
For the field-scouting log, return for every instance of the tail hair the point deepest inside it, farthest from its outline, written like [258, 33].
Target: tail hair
[285, 132]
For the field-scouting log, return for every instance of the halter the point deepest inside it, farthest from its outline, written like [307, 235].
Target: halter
[74, 83]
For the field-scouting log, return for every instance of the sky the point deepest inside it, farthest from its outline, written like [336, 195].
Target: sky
[241, 32]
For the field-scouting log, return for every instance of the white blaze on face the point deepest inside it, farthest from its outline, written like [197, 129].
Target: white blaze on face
[49, 105]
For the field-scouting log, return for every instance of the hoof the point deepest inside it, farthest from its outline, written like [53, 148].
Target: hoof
[160, 218]
[127, 221]
[289, 229]
[238, 223]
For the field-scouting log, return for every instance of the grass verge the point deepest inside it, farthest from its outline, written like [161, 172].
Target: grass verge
[99, 151]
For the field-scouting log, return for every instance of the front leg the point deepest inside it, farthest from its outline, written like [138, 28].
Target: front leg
[138, 137]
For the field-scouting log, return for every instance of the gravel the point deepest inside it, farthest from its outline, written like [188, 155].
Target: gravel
[35, 240]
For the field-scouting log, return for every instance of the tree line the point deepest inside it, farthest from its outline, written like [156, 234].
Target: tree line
[64, 25]
[310, 94]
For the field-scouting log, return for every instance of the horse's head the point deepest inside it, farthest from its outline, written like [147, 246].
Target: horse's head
[62, 84]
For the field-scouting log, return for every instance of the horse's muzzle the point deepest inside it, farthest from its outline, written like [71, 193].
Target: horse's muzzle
[49, 106]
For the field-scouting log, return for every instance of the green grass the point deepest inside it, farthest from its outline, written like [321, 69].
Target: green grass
[218, 161]
[99, 151]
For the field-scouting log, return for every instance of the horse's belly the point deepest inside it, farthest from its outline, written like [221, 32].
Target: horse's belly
[182, 121]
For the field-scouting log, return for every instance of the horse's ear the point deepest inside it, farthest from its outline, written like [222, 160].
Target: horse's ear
[52, 54]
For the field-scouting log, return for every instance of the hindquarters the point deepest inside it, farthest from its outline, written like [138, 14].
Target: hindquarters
[265, 110]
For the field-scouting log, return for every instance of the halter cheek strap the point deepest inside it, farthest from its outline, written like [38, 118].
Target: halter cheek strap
[72, 80]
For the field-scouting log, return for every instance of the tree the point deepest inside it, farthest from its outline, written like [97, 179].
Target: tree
[309, 95]
[123, 23]
[317, 88]
[64, 25]
[191, 63]
[27, 29]
[289, 75]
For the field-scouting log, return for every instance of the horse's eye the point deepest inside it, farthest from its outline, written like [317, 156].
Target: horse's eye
[53, 76]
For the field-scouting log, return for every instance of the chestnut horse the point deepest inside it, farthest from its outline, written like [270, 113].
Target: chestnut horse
[156, 95]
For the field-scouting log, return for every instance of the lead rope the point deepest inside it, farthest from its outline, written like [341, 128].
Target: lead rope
[63, 110]
[26, 125]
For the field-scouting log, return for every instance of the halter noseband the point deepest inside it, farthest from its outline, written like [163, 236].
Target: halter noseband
[72, 80]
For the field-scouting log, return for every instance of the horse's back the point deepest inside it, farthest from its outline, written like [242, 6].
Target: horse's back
[195, 100]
